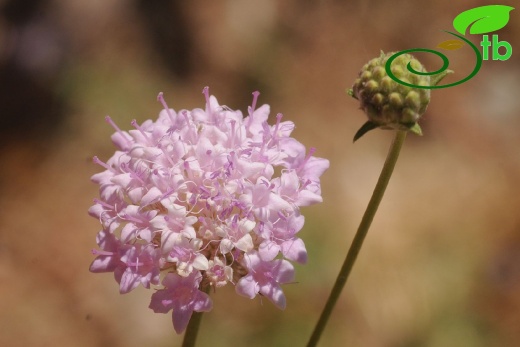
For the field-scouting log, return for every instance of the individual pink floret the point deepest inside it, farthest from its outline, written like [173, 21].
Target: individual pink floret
[183, 296]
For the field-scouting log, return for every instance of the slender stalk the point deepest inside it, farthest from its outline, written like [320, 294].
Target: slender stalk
[370, 212]
[190, 336]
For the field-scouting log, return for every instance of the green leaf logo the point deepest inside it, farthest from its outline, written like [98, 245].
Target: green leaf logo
[482, 20]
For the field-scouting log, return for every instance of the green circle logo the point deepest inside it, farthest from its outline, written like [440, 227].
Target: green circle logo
[442, 69]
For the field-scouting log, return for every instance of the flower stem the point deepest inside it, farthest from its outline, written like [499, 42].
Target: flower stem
[190, 336]
[370, 212]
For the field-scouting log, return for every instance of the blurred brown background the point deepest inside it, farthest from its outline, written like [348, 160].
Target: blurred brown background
[441, 264]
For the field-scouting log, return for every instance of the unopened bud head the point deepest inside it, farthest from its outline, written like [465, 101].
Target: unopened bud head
[388, 103]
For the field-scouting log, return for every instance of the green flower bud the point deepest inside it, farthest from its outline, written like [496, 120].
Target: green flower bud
[387, 103]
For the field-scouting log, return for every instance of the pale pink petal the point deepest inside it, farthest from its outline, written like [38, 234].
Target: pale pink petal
[294, 250]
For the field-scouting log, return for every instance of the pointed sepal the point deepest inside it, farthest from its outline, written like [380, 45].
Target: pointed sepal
[435, 79]
[364, 129]
[416, 129]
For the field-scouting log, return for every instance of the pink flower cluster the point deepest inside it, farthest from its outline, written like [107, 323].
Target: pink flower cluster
[206, 197]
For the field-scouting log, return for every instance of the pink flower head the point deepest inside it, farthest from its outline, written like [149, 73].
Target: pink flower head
[208, 197]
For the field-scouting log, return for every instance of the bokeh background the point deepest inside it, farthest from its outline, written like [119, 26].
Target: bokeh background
[441, 264]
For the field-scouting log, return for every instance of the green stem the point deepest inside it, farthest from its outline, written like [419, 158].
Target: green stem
[190, 337]
[370, 212]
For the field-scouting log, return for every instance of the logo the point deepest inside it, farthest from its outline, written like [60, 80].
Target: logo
[479, 20]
